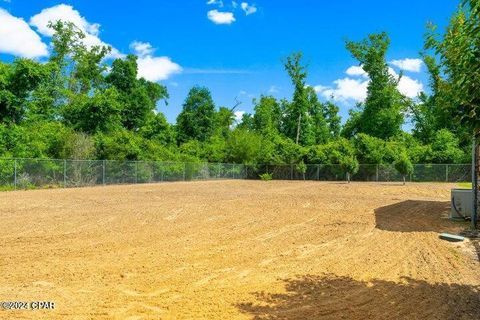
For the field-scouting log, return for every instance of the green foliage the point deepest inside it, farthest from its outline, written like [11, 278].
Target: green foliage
[445, 148]
[76, 105]
[267, 119]
[403, 165]
[243, 147]
[458, 52]
[349, 165]
[302, 168]
[381, 115]
[370, 150]
[197, 119]
[295, 111]
[266, 176]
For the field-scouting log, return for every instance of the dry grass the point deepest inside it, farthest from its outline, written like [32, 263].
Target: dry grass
[237, 250]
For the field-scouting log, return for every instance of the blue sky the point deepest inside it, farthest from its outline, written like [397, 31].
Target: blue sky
[234, 48]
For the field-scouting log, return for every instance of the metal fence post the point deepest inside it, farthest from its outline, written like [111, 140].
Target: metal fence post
[184, 169]
[377, 172]
[446, 173]
[318, 172]
[103, 171]
[136, 172]
[233, 171]
[64, 173]
[291, 172]
[15, 174]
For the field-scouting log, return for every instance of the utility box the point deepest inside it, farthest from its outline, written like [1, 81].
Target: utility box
[462, 204]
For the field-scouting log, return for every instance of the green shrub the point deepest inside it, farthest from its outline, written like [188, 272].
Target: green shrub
[266, 176]
[404, 166]
[349, 165]
[302, 168]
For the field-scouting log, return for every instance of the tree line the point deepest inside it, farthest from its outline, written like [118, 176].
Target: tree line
[77, 106]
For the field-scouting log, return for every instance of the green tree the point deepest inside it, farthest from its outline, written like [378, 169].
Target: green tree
[349, 165]
[330, 113]
[381, 114]
[296, 110]
[138, 97]
[267, 117]
[445, 148]
[100, 112]
[17, 82]
[197, 119]
[404, 166]
[224, 119]
[458, 52]
[243, 147]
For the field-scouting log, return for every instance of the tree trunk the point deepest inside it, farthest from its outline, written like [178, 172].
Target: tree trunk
[298, 127]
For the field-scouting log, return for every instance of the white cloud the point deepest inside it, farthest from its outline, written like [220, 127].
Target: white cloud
[153, 68]
[218, 17]
[238, 116]
[142, 49]
[17, 38]
[407, 86]
[67, 13]
[215, 2]
[356, 71]
[273, 89]
[249, 9]
[410, 87]
[157, 68]
[354, 88]
[412, 65]
[346, 90]
[234, 4]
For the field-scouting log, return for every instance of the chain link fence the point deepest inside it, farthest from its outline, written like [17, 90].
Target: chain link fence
[45, 173]
[366, 172]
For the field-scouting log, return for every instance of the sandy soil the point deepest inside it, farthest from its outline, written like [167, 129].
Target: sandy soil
[237, 250]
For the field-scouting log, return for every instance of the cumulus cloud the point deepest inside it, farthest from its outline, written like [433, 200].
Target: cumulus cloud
[354, 88]
[153, 68]
[218, 17]
[142, 49]
[17, 38]
[356, 71]
[345, 90]
[247, 8]
[407, 86]
[67, 13]
[238, 116]
[215, 2]
[412, 65]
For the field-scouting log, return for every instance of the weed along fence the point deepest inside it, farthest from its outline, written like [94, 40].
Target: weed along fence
[42, 173]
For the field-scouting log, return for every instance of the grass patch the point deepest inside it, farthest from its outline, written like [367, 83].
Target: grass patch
[465, 185]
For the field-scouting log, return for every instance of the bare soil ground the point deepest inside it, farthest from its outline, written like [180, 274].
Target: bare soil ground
[237, 250]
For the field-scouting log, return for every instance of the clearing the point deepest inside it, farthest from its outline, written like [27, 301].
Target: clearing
[237, 250]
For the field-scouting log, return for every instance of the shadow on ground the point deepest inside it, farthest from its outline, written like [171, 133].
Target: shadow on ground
[330, 297]
[417, 216]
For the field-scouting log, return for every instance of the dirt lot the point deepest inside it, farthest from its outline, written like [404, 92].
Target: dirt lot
[237, 250]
